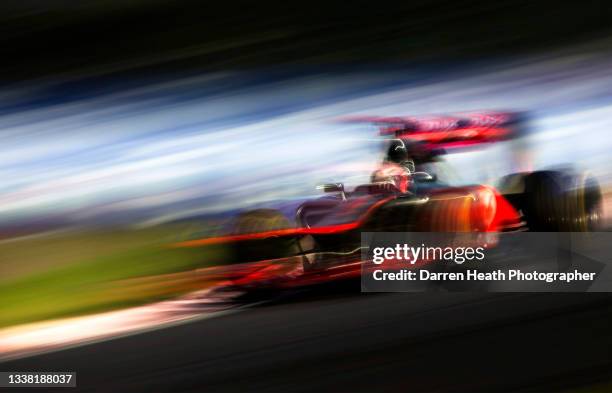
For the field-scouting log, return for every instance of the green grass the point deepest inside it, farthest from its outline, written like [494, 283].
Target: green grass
[74, 274]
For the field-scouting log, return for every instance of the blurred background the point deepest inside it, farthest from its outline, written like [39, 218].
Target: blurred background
[142, 113]
[127, 125]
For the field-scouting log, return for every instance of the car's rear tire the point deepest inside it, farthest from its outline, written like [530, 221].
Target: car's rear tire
[556, 201]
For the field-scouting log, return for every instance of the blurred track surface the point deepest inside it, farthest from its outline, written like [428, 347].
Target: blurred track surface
[321, 341]
[41, 337]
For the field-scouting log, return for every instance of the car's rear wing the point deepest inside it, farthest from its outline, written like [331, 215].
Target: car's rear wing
[450, 131]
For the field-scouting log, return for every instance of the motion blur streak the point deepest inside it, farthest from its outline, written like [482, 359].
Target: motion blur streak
[284, 232]
[178, 148]
[53, 335]
[185, 188]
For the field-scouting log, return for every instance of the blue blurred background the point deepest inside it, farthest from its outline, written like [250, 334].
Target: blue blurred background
[150, 150]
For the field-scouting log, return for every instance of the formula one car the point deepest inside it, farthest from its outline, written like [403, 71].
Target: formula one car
[322, 237]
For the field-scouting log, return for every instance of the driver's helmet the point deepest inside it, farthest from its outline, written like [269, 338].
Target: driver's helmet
[397, 167]
[397, 151]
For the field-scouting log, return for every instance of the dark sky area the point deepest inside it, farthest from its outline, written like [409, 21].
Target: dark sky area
[94, 37]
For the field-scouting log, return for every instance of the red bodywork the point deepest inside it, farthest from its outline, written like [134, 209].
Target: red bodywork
[482, 208]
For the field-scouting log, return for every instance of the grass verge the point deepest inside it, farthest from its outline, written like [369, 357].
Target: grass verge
[79, 273]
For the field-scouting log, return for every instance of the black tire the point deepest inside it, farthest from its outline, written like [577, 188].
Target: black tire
[556, 201]
[257, 221]
[544, 199]
[583, 205]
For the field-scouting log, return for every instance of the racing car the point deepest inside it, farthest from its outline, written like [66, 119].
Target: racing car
[321, 238]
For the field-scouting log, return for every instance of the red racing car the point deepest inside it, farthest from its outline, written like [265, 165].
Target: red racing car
[321, 238]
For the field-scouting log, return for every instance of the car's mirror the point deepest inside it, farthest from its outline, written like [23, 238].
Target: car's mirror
[424, 177]
[333, 187]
